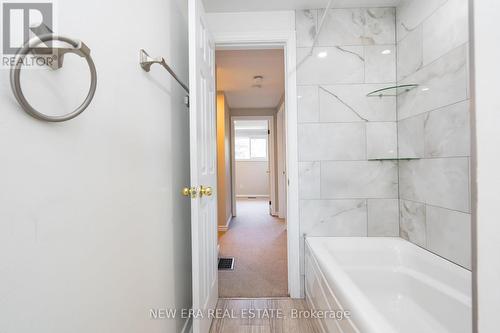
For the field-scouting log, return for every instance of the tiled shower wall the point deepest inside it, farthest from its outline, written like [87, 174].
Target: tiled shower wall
[344, 190]
[434, 126]
[349, 186]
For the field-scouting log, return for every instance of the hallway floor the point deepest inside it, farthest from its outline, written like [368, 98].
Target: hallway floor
[258, 243]
[265, 322]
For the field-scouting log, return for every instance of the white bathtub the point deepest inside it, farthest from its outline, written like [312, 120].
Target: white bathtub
[388, 285]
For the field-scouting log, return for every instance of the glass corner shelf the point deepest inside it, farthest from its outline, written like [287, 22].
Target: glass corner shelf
[392, 91]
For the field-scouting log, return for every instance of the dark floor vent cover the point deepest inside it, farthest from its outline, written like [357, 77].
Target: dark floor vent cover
[226, 264]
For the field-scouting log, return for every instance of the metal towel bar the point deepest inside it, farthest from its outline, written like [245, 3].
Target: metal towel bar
[146, 61]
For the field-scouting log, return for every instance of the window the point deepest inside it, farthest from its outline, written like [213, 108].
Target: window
[258, 148]
[242, 148]
[250, 148]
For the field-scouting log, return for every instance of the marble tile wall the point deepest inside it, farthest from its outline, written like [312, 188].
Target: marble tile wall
[348, 184]
[345, 187]
[433, 126]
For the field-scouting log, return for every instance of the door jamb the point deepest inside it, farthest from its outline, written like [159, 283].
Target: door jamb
[287, 41]
[271, 159]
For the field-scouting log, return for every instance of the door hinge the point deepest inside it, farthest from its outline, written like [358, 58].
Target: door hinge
[268, 132]
[270, 203]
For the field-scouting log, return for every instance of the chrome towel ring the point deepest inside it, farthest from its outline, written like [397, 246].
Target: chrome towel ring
[77, 47]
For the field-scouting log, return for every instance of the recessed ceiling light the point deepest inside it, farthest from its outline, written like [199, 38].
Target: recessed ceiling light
[257, 81]
[322, 54]
[425, 89]
[386, 52]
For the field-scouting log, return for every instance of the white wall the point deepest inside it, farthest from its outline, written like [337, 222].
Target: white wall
[93, 230]
[486, 120]
[250, 22]
[252, 178]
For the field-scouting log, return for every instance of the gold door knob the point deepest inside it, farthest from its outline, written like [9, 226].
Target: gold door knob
[205, 191]
[189, 192]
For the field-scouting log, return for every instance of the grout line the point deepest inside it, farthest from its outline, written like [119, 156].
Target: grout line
[347, 122]
[437, 109]
[390, 160]
[436, 206]
[437, 254]
[421, 22]
[434, 61]
[397, 119]
[352, 199]
[340, 84]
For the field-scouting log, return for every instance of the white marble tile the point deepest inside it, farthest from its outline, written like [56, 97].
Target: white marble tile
[447, 131]
[307, 104]
[330, 65]
[411, 13]
[333, 218]
[381, 140]
[445, 30]
[383, 217]
[359, 179]
[380, 26]
[442, 182]
[348, 103]
[412, 182]
[358, 26]
[409, 58]
[342, 27]
[449, 234]
[441, 83]
[305, 25]
[309, 180]
[331, 141]
[380, 64]
[448, 183]
[411, 137]
[412, 222]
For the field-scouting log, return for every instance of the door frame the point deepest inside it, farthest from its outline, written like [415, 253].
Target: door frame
[280, 160]
[285, 40]
[271, 161]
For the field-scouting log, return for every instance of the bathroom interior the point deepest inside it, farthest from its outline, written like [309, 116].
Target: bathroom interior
[384, 151]
[383, 157]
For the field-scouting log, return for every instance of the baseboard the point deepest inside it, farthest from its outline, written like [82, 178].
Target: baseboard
[226, 226]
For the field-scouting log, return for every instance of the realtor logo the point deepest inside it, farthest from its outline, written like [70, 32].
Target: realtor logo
[22, 21]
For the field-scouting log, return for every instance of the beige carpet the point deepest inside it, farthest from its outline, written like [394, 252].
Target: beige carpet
[257, 241]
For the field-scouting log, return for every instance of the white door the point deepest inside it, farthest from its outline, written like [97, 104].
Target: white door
[203, 166]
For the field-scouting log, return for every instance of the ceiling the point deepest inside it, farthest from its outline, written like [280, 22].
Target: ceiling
[236, 70]
[260, 5]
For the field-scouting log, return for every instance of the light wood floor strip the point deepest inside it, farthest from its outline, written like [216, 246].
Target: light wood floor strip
[263, 325]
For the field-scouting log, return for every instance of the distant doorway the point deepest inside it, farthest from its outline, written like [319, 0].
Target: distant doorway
[253, 160]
